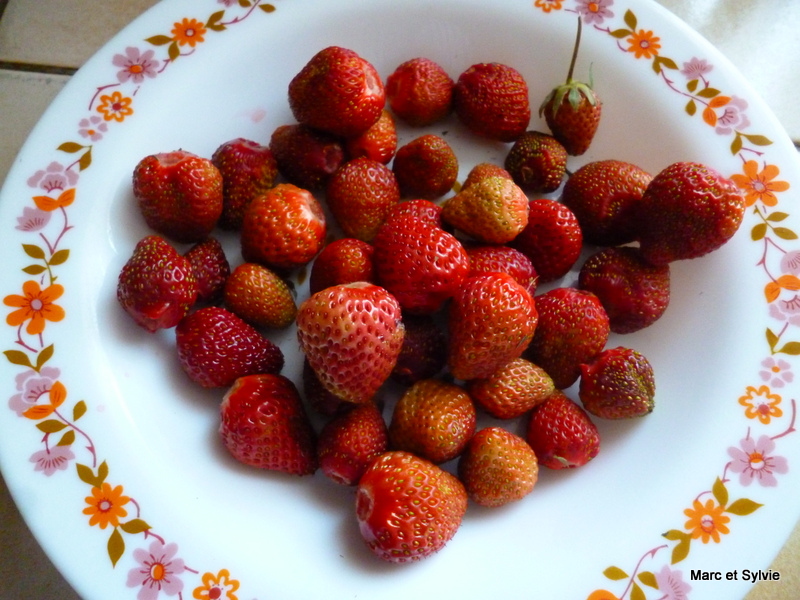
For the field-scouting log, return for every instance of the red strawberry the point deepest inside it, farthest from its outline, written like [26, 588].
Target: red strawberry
[408, 508]
[424, 209]
[156, 286]
[360, 195]
[552, 240]
[338, 92]
[491, 320]
[687, 211]
[426, 167]
[215, 347]
[351, 335]
[418, 263]
[537, 162]
[260, 296]
[378, 143]
[482, 171]
[618, 384]
[248, 169]
[321, 400]
[491, 100]
[211, 268]
[633, 292]
[512, 390]
[263, 424]
[498, 467]
[283, 228]
[306, 158]
[573, 328]
[604, 195]
[488, 258]
[424, 351]
[561, 433]
[179, 194]
[494, 210]
[433, 419]
[345, 260]
[420, 92]
[349, 442]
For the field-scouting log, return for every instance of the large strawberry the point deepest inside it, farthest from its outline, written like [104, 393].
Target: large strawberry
[350, 441]
[407, 508]
[351, 335]
[618, 384]
[420, 92]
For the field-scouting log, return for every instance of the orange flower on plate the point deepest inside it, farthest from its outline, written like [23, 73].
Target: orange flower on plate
[706, 521]
[644, 44]
[188, 32]
[115, 107]
[760, 403]
[601, 595]
[217, 587]
[548, 5]
[759, 185]
[36, 305]
[106, 506]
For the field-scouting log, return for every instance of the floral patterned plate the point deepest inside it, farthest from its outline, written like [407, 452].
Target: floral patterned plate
[112, 456]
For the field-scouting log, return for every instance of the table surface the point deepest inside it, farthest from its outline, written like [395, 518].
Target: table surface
[42, 42]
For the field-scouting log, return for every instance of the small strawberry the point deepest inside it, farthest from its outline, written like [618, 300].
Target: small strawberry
[572, 329]
[349, 442]
[215, 347]
[420, 92]
[407, 508]
[424, 351]
[345, 260]
[179, 194]
[687, 211]
[426, 167]
[491, 258]
[497, 467]
[378, 143]
[433, 419]
[552, 240]
[248, 169]
[491, 320]
[211, 269]
[494, 210]
[561, 433]
[537, 162]
[604, 195]
[512, 390]
[156, 286]
[306, 158]
[633, 292]
[284, 228]
[351, 335]
[260, 296]
[491, 100]
[360, 195]
[482, 171]
[618, 384]
[263, 424]
[338, 92]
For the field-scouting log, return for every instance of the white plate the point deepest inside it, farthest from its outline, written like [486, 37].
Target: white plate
[129, 419]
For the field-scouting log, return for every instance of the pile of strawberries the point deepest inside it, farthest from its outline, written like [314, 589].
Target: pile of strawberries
[430, 292]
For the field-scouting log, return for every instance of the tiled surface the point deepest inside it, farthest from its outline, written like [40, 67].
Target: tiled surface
[63, 34]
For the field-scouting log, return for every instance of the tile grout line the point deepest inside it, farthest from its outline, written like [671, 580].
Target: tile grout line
[36, 68]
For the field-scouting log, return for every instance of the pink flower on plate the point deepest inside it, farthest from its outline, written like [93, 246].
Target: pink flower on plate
[157, 571]
[52, 459]
[32, 386]
[32, 219]
[671, 584]
[732, 118]
[54, 177]
[92, 128]
[753, 460]
[786, 309]
[594, 11]
[776, 372]
[136, 65]
[696, 68]
[790, 263]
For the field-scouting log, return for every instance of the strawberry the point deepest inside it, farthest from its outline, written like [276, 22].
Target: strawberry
[263, 424]
[572, 110]
[319, 399]
[537, 162]
[420, 92]
[561, 433]
[360, 195]
[687, 211]
[424, 351]
[211, 268]
[572, 329]
[433, 419]
[424, 209]
[306, 158]
[337, 92]
[248, 169]
[490, 258]
[604, 195]
[215, 347]
[426, 167]
[618, 384]
[512, 390]
[418, 263]
[497, 467]
[633, 292]
[351, 335]
[491, 100]
[156, 286]
[283, 228]
[260, 296]
[491, 320]
[407, 508]
[552, 239]
[349, 442]
[482, 171]
[345, 260]
[494, 210]
[378, 143]
[179, 194]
